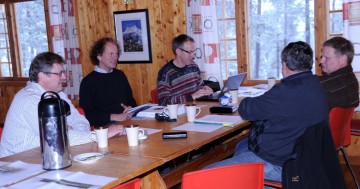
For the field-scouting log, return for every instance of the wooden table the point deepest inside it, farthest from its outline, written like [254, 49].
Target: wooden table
[112, 165]
[144, 160]
[221, 143]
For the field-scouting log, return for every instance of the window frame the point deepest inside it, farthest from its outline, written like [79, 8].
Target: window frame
[13, 38]
[321, 22]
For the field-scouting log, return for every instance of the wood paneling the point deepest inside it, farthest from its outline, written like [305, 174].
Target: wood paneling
[167, 19]
[7, 93]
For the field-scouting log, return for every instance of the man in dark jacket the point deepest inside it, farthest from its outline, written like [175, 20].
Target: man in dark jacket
[282, 114]
[339, 80]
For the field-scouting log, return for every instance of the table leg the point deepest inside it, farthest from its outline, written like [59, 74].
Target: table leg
[153, 180]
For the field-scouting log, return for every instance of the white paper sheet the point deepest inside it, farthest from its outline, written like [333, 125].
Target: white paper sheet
[197, 127]
[37, 182]
[147, 130]
[17, 171]
[151, 131]
[222, 120]
[250, 91]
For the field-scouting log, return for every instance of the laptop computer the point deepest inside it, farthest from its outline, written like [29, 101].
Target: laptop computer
[233, 82]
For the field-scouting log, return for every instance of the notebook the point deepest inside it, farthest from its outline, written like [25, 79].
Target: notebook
[233, 82]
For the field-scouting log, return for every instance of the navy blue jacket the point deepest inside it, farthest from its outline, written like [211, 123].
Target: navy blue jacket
[281, 115]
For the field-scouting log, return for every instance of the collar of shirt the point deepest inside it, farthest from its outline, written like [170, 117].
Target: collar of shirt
[98, 69]
[294, 76]
[346, 69]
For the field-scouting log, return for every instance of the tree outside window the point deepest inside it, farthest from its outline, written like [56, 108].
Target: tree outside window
[267, 26]
[23, 35]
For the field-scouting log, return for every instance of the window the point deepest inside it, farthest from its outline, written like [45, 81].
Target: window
[227, 22]
[336, 17]
[23, 34]
[264, 27]
[272, 25]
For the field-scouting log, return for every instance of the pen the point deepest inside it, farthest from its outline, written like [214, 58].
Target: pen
[209, 123]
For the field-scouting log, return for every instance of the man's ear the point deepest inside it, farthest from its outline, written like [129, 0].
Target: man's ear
[177, 51]
[41, 77]
[98, 57]
[343, 60]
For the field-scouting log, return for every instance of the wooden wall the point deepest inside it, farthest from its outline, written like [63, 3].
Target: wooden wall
[7, 93]
[167, 19]
[95, 20]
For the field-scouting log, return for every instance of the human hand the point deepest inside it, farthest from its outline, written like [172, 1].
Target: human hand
[114, 130]
[126, 108]
[207, 88]
[204, 91]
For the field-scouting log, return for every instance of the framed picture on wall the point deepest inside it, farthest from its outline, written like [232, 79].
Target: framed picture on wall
[133, 35]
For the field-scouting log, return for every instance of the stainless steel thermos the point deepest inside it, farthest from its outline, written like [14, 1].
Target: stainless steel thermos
[52, 111]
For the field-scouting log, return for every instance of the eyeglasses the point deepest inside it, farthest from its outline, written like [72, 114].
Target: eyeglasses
[58, 74]
[189, 52]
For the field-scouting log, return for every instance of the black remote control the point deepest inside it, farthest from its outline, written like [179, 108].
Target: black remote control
[174, 135]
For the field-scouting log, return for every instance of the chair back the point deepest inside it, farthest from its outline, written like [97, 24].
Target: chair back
[133, 184]
[154, 96]
[340, 119]
[1, 132]
[355, 127]
[81, 111]
[244, 176]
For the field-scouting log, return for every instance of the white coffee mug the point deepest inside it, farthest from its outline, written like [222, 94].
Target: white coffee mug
[271, 82]
[191, 112]
[234, 95]
[171, 110]
[100, 135]
[133, 134]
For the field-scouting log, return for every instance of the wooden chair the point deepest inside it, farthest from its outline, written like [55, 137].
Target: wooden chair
[244, 176]
[133, 184]
[340, 119]
[154, 96]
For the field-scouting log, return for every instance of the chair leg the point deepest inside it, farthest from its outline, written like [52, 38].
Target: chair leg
[349, 166]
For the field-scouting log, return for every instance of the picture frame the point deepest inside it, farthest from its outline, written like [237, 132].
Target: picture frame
[132, 33]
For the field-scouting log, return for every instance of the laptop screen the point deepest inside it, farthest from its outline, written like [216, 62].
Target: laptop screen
[234, 82]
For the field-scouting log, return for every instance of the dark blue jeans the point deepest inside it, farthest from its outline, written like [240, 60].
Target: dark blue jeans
[244, 155]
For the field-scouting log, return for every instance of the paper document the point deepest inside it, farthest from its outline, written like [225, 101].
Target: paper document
[221, 120]
[250, 91]
[64, 179]
[150, 112]
[11, 172]
[196, 127]
[149, 131]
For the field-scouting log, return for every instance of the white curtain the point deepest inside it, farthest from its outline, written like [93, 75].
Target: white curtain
[351, 16]
[202, 26]
[65, 42]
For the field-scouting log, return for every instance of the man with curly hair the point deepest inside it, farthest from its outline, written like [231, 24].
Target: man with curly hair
[105, 93]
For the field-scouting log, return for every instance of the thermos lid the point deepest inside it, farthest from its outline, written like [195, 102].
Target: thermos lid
[51, 105]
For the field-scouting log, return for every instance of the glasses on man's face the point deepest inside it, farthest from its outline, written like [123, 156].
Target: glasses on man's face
[57, 73]
[189, 52]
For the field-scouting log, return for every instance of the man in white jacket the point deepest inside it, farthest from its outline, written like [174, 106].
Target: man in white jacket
[21, 129]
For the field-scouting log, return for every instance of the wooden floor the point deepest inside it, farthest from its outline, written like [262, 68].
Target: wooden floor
[355, 164]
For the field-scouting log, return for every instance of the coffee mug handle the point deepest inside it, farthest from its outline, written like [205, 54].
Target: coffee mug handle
[198, 108]
[141, 133]
[93, 136]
